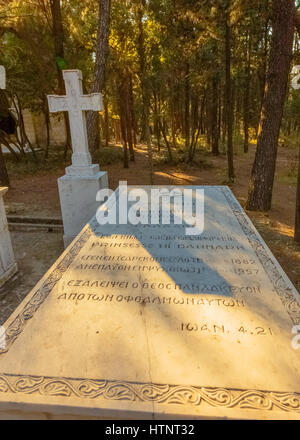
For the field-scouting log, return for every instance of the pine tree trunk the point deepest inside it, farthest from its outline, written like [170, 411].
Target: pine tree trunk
[214, 118]
[156, 121]
[263, 72]
[124, 137]
[163, 131]
[202, 109]
[4, 179]
[58, 36]
[133, 119]
[143, 73]
[99, 74]
[229, 101]
[187, 98]
[247, 95]
[128, 115]
[106, 121]
[123, 112]
[297, 221]
[263, 171]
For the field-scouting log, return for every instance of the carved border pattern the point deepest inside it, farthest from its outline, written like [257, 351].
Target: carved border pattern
[18, 324]
[147, 392]
[283, 290]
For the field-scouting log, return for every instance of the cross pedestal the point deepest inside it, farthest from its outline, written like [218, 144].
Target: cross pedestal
[82, 181]
[8, 265]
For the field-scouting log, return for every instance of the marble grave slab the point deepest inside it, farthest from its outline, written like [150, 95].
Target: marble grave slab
[147, 322]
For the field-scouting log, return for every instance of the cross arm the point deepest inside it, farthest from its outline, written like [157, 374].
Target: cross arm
[91, 102]
[57, 103]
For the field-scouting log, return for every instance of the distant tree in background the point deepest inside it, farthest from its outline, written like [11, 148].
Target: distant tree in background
[59, 55]
[99, 70]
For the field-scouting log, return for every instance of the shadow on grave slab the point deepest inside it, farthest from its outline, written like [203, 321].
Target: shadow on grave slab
[190, 261]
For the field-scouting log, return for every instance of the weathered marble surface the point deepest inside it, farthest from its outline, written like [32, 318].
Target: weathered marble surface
[143, 321]
[78, 203]
[2, 77]
[8, 266]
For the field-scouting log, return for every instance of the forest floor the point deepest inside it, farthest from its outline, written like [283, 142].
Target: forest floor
[34, 193]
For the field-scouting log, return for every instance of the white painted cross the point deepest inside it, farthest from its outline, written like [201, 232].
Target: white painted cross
[76, 104]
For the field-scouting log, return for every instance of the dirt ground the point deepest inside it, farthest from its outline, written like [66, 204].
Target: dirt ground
[37, 195]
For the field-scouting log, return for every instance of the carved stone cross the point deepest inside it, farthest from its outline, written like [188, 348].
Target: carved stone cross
[76, 104]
